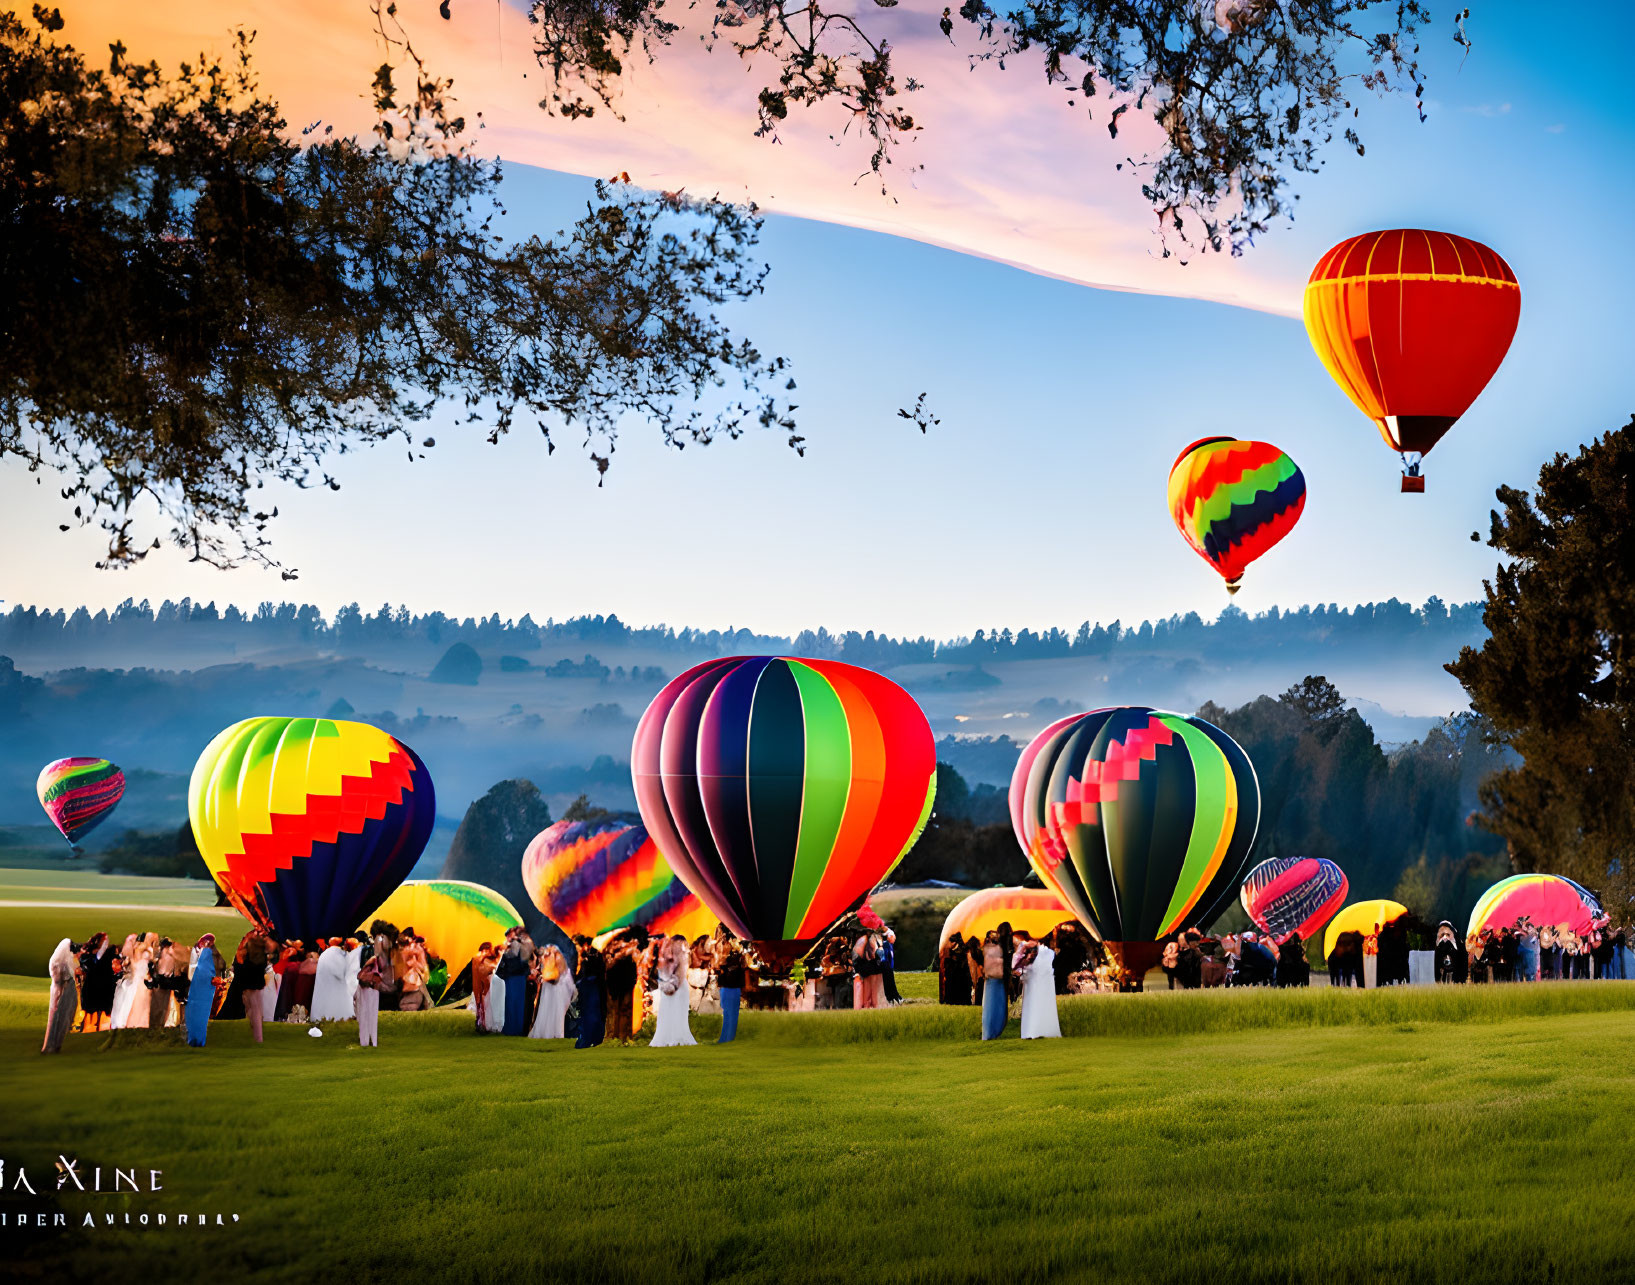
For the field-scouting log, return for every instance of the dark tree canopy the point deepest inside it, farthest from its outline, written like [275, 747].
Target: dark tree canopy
[1246, 92]
[195, 301]
[1556, 677]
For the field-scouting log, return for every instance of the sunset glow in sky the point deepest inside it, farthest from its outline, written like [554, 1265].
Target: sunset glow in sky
[1039, 499]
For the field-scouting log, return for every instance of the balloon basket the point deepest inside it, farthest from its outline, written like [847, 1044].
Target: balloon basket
[1134, 960]
[1413, 485]
[778, 957]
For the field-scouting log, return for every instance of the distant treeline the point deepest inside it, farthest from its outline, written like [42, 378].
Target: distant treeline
[276, 624]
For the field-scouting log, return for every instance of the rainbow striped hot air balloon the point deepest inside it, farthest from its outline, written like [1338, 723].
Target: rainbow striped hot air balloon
[78, 794]
[1548, 900]
[1293, 895]
[782, 790]
[309, 824]
[1139, 820]
[592, 877]
[1234, 500]
[453, 916]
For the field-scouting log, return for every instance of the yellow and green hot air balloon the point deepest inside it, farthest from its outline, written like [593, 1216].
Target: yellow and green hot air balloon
[453, 916]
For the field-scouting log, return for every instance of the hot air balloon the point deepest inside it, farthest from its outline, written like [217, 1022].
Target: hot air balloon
[309, 824]
[1361, 917]
[1234, 500]
[453, 916]
[78, 794]
[1412, 325]
[1293, 895]
[1548, 900]
[1139, 820]
[783, 790]
[1038, 911]
[592, 877]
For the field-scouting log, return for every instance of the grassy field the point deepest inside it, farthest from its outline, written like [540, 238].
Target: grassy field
[38, 908]
[1275, 1136]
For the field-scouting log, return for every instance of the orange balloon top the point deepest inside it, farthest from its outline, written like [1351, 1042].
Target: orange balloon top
[1412, 325]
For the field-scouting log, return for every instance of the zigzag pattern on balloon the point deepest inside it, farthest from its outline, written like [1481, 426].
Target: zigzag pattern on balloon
[1233, 533]
[594, 877]
[1099, 784]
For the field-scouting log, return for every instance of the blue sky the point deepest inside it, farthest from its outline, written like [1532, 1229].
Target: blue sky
[1039, 499]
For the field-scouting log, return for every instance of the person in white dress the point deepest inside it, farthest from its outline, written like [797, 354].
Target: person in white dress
[331, 996]
[494, 1007]
[1039, 1019]
[125, 991]
[671, 999]
[556, 992]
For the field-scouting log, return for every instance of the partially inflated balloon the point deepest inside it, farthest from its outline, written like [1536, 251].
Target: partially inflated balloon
[453, 916]
[783, 790]
[1139, 820]
[308, 824]
[78, 794]
[1548, 900]
[591, 877]
[1365, 917]
[1293, 895]
[1412, 325]
[1234, 500]
[1038, 911]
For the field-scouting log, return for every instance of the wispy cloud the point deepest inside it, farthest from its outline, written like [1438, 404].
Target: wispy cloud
[1555, 129]
[1006, 168]
[1489, 110]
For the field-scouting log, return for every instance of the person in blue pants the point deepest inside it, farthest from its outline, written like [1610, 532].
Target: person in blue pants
[729, 980]
[591, 978]
[996, 980]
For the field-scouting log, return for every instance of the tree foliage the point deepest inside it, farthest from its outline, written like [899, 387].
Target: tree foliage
[1556, 676]
[195, 301]
[1245, 92]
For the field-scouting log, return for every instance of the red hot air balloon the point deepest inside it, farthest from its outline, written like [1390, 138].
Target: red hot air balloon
[781, 791]
[1412, 325]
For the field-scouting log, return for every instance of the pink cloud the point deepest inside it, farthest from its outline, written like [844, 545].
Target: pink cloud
[1007, 170]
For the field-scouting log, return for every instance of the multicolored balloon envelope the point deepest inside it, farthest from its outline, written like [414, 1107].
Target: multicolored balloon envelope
[591, 877]
[78, 794]
[1293, 895]
[453, 916]
[1139, 820]
[1233, 501]
[1038, 911]
[1411, 325]
[1365, 917]
[783, 790]
[1548, 900]
[309, 824]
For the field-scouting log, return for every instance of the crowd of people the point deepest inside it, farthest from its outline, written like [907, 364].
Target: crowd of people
[1527, 952]
[607, 993]
[155, 982]
[616, 982]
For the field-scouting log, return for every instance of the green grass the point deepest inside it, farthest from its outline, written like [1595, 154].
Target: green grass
[1271, 1136]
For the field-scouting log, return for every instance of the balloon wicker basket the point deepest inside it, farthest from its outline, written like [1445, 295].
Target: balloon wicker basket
[1413, 485]
[778, 957]
[1134, 960]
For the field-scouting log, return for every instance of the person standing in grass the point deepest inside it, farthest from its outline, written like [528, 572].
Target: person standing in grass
[996, 979]
[728, 965]
[250, 973]
[59, 1014]
[97, 982]
[374, 977]
[670, 1002]
[1036, 962]
[973, 966]
[866, 972]
[201, 992]
[888, 967]
[953, 972]
[513, 971]
[621, 990]
[591, 978]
